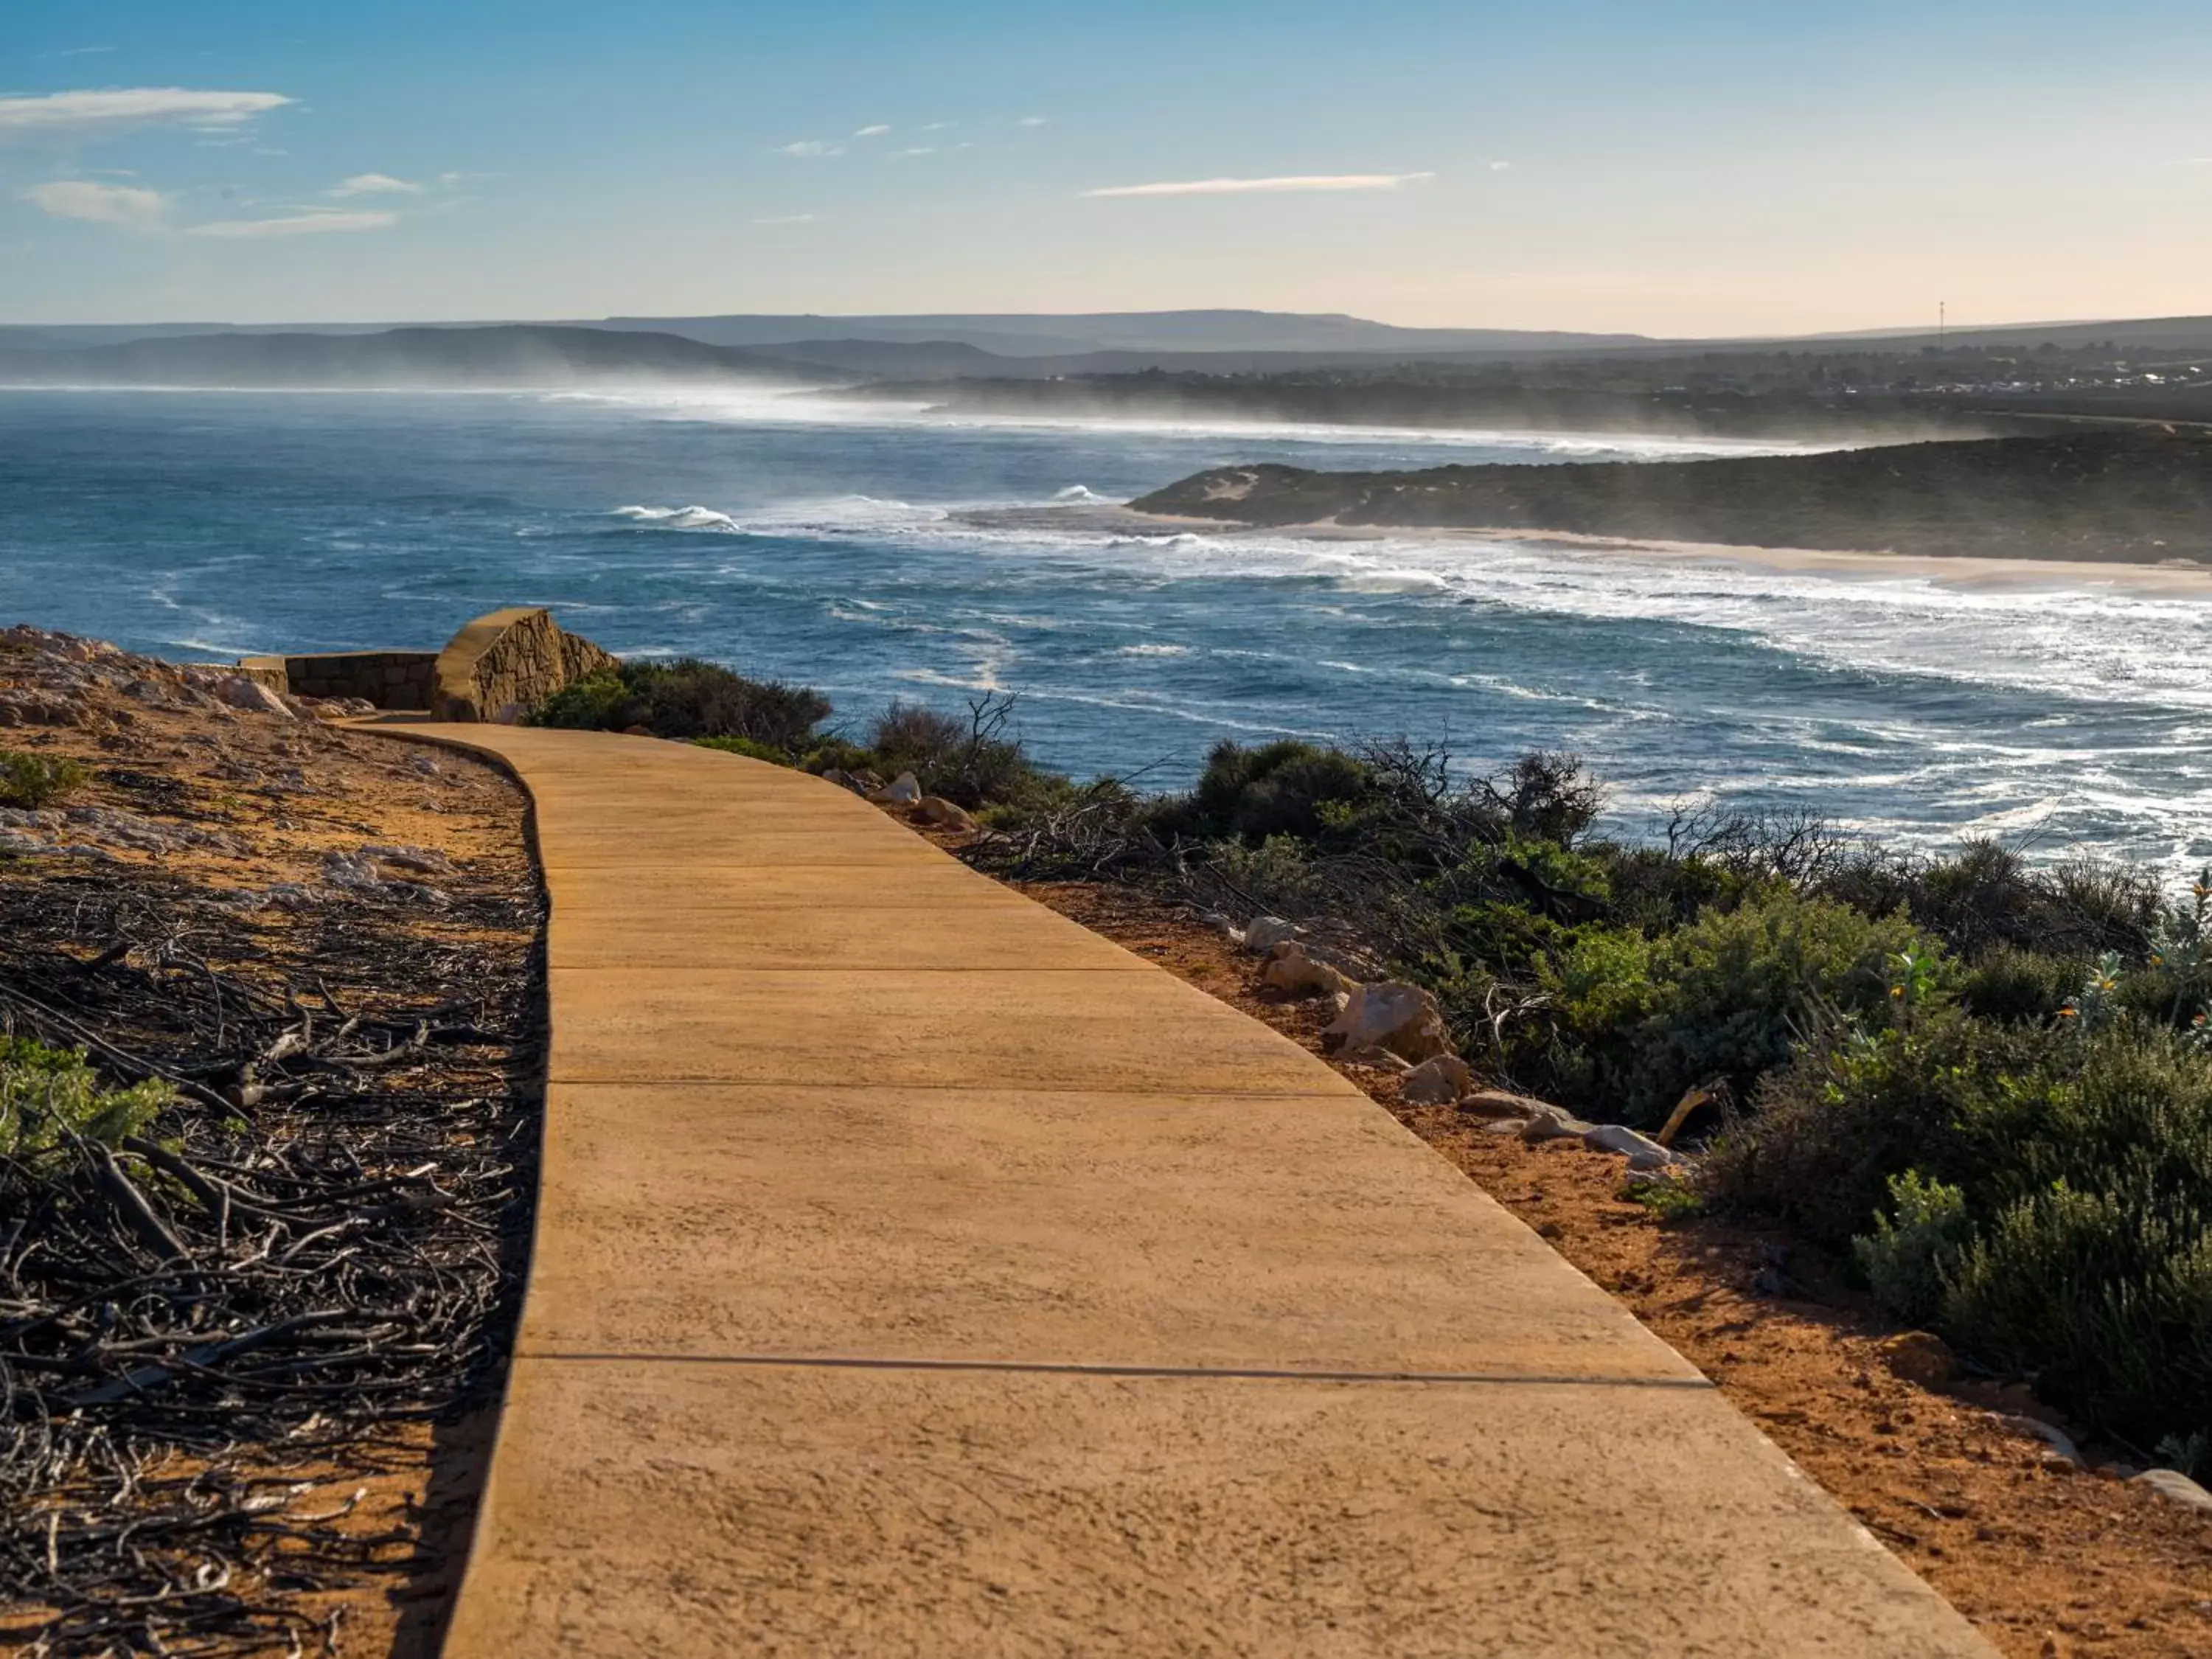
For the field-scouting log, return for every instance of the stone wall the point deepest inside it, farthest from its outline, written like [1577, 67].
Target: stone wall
[390, 679]
[501, 666]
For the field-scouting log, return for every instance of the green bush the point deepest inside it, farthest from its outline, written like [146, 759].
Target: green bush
[746, 747]
[36, 780]
[1909, 1258]
[2010, 983]
[688, 698]
[48, 1094]
[969, 759]
[1282, 789]
[2082, 1158]
[1723, 1000]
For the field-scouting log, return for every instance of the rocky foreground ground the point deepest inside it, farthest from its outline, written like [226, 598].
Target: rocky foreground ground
[248, 1353]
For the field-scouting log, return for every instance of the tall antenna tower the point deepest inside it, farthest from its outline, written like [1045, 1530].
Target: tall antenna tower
[1942, 323]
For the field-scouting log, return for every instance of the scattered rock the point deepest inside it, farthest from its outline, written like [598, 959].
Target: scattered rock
[1263, 933]
[1503, 1126]
[1497, 1104]
[2057, 1439]
[1550, 1123]
[904, 790]
[41, 709]
[2174, 1485]
[1641, 1152]
[1399, 1018]
[251, 695]
[1920, 1357]
[1438, 1081]
[947, 815]
[412, 861]
[1290, 967]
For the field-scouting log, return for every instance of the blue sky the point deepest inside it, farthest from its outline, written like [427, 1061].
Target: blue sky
[1677, 168]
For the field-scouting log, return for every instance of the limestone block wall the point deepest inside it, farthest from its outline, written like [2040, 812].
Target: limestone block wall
[390, 679]
[503, 664]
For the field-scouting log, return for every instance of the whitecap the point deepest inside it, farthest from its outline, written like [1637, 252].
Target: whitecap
[677, 518]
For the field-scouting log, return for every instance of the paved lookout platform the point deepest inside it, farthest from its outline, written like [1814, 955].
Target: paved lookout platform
[917, 1272]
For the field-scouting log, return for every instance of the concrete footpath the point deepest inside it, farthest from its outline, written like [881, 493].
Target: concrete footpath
[917, 1272]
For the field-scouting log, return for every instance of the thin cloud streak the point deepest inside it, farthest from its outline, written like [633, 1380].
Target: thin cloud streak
[306, 224]
[1313, 181]
[85, 115]
[375, 183]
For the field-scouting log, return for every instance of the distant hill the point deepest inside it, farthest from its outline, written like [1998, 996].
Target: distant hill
[1146, 335]
[1053, 335]
[513, 354]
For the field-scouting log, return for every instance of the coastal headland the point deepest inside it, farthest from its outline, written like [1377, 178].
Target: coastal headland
[2133, 497]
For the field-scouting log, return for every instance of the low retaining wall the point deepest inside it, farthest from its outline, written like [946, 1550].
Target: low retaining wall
[497, 666]
[390, 679]
[503, 664]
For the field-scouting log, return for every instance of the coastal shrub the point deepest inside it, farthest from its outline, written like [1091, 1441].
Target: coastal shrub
[1911, 1256]
[48, 1096]
[688, 698]
[1730, 996]
[2079, 1244]
[973, 758]
[36, 780]
[1987, 896]
[748, 748]
[1285, 788]
[2019, 986]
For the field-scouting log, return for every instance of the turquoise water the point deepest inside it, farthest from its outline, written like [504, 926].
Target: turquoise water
[824, 544]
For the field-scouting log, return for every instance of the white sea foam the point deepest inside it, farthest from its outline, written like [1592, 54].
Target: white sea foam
[677, 518]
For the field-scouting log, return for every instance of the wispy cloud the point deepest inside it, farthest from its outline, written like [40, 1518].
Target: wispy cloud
[787, 219]
[77, 115]
[375, 183]
[916, 149]
[875, 131]
[1033, 121]
[1501, 167]
[83, 51]
[940, 126]
[807, 147]
[1304, 181]
[303, 224]
[129, 206]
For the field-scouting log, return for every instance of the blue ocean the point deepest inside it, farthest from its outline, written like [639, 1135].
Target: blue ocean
[835, 545]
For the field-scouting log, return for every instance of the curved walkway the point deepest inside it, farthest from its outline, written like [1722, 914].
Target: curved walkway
[917, 1272]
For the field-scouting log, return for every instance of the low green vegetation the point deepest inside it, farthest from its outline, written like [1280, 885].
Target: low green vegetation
[1984, 1083]
[51, 1098]
[35, 780]
[688, 698]
[972, 758]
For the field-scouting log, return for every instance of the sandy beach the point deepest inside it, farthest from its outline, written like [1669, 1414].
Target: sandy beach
[2177, 578]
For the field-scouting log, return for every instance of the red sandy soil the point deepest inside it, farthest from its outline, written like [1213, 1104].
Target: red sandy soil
[2046, 1558]
[191, 812]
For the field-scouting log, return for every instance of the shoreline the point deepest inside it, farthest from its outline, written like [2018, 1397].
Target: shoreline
[2178, 578]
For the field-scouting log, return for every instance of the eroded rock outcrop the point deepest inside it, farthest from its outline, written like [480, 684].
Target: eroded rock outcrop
[507, 662]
